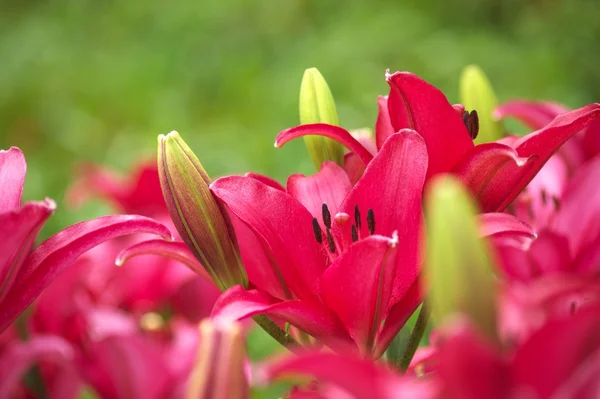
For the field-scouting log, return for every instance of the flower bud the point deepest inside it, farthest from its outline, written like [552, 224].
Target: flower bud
[458, 262]
[477, 94]
[201, 221]
[317, 106]
[219, 369]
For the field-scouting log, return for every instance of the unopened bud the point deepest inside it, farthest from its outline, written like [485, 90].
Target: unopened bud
[201, 221]
[317, 106]
[477, 94]
[458, 262]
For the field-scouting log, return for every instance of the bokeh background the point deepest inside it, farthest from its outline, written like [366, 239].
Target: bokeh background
[89, 80]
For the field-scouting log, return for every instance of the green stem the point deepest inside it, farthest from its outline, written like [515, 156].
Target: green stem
[415, 337]
[274, 331]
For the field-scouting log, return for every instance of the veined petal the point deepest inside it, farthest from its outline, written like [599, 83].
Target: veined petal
[12, 176]
[358, 286]
[415, 104]
[383, 125]
[238, 304]
[42, 266]
[284, 225]
[328, 186]
[392, 188]
[494, 173]
[336, 133]
[18, 229]
[535, 114]
[504, 226]
[354, 167]
[266, 180]
[169, 249]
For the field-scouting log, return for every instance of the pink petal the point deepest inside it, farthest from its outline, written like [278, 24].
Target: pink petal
[18, 230]
[415, 104]
[392, 187]
[550, 356]
[19, 357]
[336, 133]
[535, 114]
[503, 226]
[354, 167]
[358, 287]
[383, 125]
[237, 304]
[359, 377]
[587, 262]
[590, 140]
[494, 173]
[46, 262]
[176, 250]
[578, 217]
[328, 186]
[284, 225]
[266, 180]
[12, 177]
[549, 254]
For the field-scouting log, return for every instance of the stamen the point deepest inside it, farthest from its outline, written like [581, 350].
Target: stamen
[357, 216]
[326, 216]
[371, 221]
[330, 241]
[471, 121]
[556, 202]
[544, 197]
[354, 234]
[317, 230]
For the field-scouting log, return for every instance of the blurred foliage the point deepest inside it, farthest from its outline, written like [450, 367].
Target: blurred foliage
[99, 80]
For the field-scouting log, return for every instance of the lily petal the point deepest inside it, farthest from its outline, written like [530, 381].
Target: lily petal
[17, 234]
[169, 249]
[383, 125]
[392, 188]
[415, 104]
[12, 177]
[354, 167]
[266, 179]
[44, 264]
[328, 186]
[535, 114]
[336, 133]
[284, 225]
[238, 304]
[504, 226]
[358, 285]
[494, 173]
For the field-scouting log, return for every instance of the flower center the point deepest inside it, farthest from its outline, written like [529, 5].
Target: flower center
[339, 243]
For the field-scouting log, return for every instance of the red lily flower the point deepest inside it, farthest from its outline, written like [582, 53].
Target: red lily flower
[24, 275]
[560, 360]
[495, 172]
[343, 376]
[344, 259]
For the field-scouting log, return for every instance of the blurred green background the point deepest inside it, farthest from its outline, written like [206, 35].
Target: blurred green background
[99, 80]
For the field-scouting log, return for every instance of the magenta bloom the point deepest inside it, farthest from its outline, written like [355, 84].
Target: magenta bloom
[342, 261]
[23, 275]
[495, 172]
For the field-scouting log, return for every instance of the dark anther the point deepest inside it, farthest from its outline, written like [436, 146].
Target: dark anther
[330, 241]
[371, 221]
[544, 197]
[354, 234]
[556, 202]
[573, 308]
[317, 230]
[357, 216]
[471, 121]
[326, 216]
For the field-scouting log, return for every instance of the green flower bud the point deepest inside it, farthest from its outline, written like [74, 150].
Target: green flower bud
[201, 221]
[477, 94]
[317, 106]
[458, 263]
